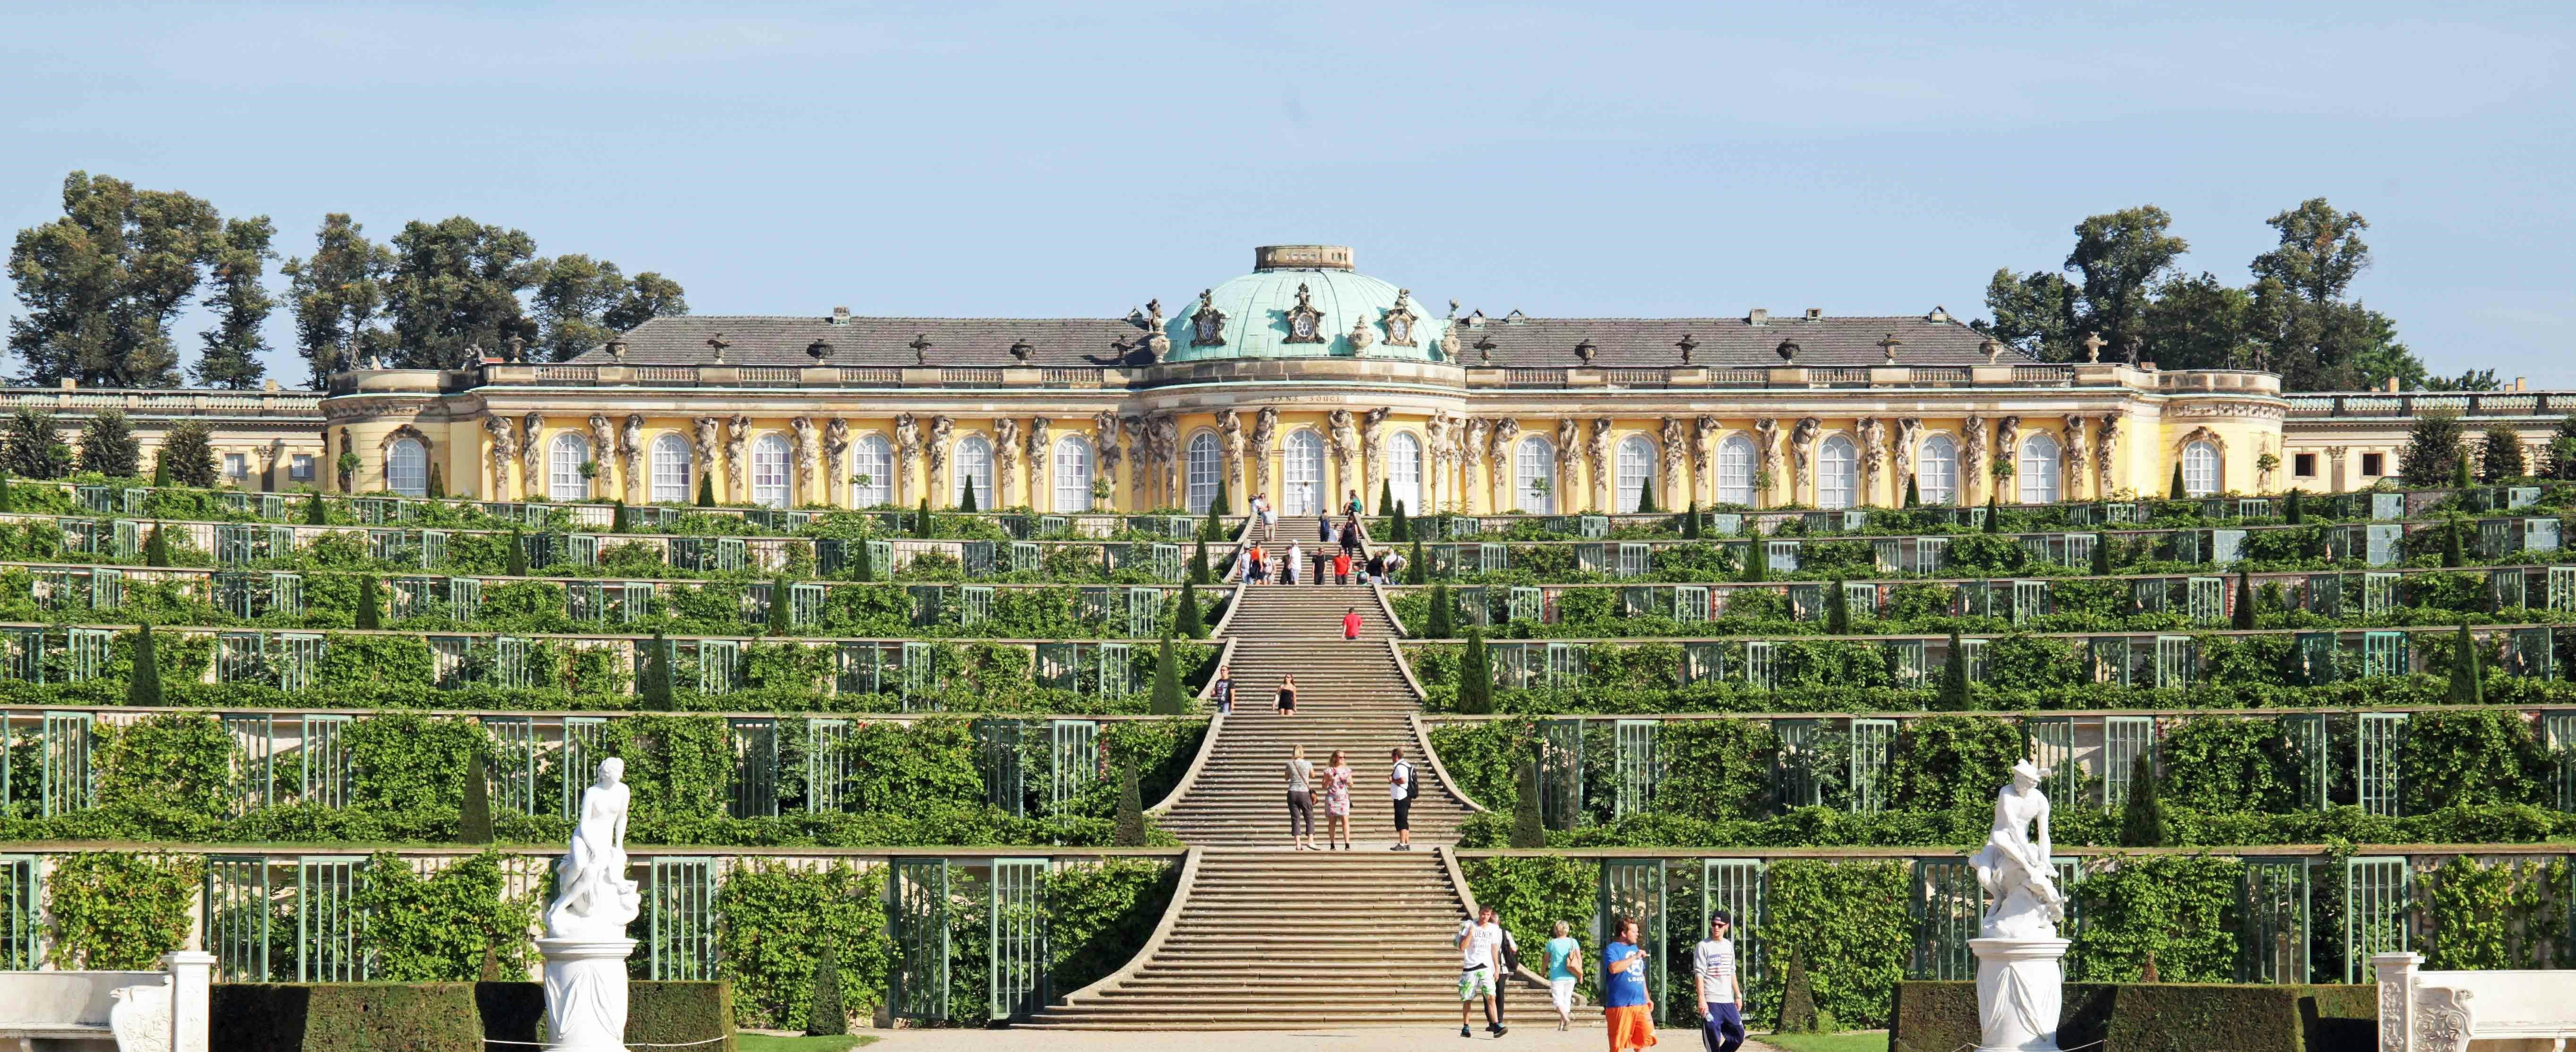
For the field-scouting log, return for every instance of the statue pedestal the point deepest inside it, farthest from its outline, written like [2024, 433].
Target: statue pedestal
[586, 993]
[2020, 990]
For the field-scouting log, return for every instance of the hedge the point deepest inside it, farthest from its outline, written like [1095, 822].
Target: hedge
[345, 1017]
[2157, 1017]
[657, 1012]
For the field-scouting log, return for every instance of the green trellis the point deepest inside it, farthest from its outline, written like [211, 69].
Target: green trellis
[917, 924]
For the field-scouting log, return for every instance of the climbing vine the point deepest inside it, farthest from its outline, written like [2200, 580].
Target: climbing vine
[115, 911]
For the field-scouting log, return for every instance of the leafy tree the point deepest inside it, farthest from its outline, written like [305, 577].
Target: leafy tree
[156, 548]
[2468, 686]
[2143, 820]
[966, 497]
[1529, 828]
[474, 817]
[2315, 338]
[1130, 828]
[32, 448]
[782, 606]
[1475, 677]
[108, 445]
[580, 302]
[455, 284]
[2200, 323]
[824, 1015]
[1438, 624]
[2035, 313]
[188, 453]
[1167, 699]
[2502, 458]
[653, 692]
[649, 295]
[1953, 695]
[143, 685]
[2558, 457]
[2120, 256]
[338, 296]
[242, 304]
[2432, 449]
[100, 284]
[1189, 622]
[2471, 380]
[369, 605]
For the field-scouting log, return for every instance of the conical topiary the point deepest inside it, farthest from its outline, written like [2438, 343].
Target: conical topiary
[314, 514]
[1167, 680]
[1690, 521]
[2143, 822]
[1757, 561]
[2176, 490]
[156, 548]
[2468, 685]
[1646, 496]
[1837, 611]
[1475, 677]
[2297, 512]
[1386, 496]
[474, 817]
[1130, 828]
[143, 685]
[1529, 827]
[2244, 614]
[2102, 555]
[437, 484]
[8, 500]
[1994, 513]
[1913, 493]
[1797, 999]
[2460, 476]
[370, 615]
[1415, 570]
[1438, 624]
[160, 472]
[921, 520]
[1953, 696]
[2451, 553]
[782, 606]
[1397, 529]
[514, 562]
[617, 515]
[1199, 573]
[1189, 622]
[653, 694]
[966, 497]
[706, 490]
[824, 1016]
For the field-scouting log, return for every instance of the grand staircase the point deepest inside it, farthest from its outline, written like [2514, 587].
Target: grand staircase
[1263, 937]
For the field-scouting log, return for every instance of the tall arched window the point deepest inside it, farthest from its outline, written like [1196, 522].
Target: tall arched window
[2200, 476]
[563, 467]
[1636, 466]
[1205, 465]
[1936, 474]
[769, 471]
[1404, 472]
[407, 468]
[1836, 463]
[1535, 462]
[1735, 470]
[1304, 474]
[974, 460]
[2038, 469]
[1073, 474]
[873, 459]
[671, 469]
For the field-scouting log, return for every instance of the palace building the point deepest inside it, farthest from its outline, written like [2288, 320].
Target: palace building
[1307, 380]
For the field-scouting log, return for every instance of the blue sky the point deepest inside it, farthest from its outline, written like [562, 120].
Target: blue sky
[982, 159]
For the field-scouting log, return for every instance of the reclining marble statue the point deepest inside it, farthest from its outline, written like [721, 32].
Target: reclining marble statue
[586, 947]
[2020, 969]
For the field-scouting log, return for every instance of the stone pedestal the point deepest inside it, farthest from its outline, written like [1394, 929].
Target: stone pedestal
[2020, 989]
[586, 993]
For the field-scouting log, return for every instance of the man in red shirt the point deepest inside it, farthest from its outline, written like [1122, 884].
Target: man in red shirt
[1351, 624]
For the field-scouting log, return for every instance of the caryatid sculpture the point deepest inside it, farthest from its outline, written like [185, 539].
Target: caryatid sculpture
[2007, 448]
[504, 449]
[1104, 431]
[1498, 454]
[1006, 462]
[1229, 435]
[737, 432]
[805, 442]
[1569, 439]
[1473, 440]
[1040, 471]
[1704, 432]
[532, 453]
[1341, 437]
[1873, 452]
[1438, 454]
[1972, 458]
[1802, 452]
[1676, 449]
[630, 456]
[1166, 440]
[836, 459]
[935, 450]
[1909, 435]
[706, 428]
[2020, 970]
[2078, 450]
[907, 452]
[1373, 473]
[1766, 457]
[2106, 451]
[1596, 462]
[585, 946]
[603, 445]
[1265, 431]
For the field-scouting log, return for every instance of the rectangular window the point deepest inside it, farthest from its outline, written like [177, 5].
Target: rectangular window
[2371, 465]
[300, 468]
[2304, 465]
[236, 466]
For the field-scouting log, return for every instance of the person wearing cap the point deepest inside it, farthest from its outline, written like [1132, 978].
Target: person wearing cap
[1721, 993]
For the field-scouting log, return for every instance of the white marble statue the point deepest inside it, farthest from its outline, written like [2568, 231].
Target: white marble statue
[2020, 960]
[586, 947]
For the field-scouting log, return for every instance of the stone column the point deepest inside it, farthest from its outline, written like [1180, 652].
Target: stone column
[2395, 974]
[2020, 991]
[2334, 468]
[192, 975]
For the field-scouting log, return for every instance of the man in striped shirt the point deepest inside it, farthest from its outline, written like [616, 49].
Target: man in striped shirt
[1721, 994]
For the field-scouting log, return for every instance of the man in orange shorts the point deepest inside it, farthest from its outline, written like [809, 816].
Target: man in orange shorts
[1627, 1005]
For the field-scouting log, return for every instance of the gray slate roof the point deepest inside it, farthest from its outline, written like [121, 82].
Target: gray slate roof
[1524, 343]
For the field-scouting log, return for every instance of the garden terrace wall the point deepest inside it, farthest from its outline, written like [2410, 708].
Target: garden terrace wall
[750, 917]
[2240, 777]
[1863, 920]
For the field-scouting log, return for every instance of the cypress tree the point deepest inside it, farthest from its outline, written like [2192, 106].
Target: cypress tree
[1219, 507]
[1415, 570]
[1130, 831]
[2451, 553]
[2468, 686]
[921, 521]
[314, 513]
[160, 471]
[369, 616]
[1954, 678]
[617, 515]
[1475, 677]
[8, 500]
[706, 490]
[1837, 611]
[2143, 821]
[782, 606]
[1913, 493]
[437, 484]
[1199, 562]
[2244, 619]
[2460, 477]
[1646, 496]
[474, 818]
[515, 561]
[863, 569]
[1528, 828]
[1398, 529]
[654, 693]
[1438, 624]
[1994, 513]
[2502, 457]
[2297, 512]
[2176, 492]
[1757, 560]
[1386, 496]
[1188, 622]
[2102, 554]
[824, 1015]
[1167, 680]
[156, 548]
[1690, 521]
[143, 685]
[966, 498]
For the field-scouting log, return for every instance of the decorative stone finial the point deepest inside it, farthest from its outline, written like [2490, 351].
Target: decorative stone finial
[1687, 343]
[1889, 345]
[1305, 323]
[1994, 351]
[819, 351]
[1788, 350]
[717, 343]
[1585, 351]
[1021, 350]
[920, 349]
[1207, 324]
[1485, 350]
[1360, 336]
[616, 348]
[518, 348]
[2093, 343]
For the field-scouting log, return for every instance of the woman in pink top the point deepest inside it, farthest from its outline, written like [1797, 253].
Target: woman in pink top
[1337, 802]
[1351, 623]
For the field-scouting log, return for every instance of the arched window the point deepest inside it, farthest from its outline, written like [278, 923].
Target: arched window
[1636, 467]
[1304, 474]
[974, 462]
[1205, 465]
[1836, 463]
[2038, 469]
[769, 471]
[407, 468]
[671, 470]
[1404, 472]
[1073, 474]
[563, 467]
[1936, 474]
[2200, 469]
[1735, 470]
[871, 458]
[1534, 476]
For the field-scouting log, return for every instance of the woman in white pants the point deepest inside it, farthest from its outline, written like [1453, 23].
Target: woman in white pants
[1564, 969]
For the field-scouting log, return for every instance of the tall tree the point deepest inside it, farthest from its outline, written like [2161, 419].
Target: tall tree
[101, 284]
[2120, 257]
[32, 448]
[2432, 448]
[2199, 323]
[2502, 457]
[339, 296]
[2317, 339]
[108, 446]
[242, 304]
[188, 453]
[455, 284]
[579, 302]
[2033, 312]
[649, 295]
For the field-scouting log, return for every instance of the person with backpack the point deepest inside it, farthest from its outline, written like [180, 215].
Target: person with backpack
[1402, 787]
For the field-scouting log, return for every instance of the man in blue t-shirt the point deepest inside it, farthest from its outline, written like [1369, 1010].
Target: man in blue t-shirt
[1626, 1004]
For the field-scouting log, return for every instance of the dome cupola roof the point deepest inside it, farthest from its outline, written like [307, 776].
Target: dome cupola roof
[1304, 301]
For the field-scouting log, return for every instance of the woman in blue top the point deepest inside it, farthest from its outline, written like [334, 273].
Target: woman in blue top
[1564, 969]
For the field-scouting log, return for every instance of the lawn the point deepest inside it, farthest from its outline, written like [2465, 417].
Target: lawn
[1853, 1041]
[766, 1043]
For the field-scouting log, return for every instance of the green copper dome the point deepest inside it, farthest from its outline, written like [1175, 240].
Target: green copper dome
[1304, 301]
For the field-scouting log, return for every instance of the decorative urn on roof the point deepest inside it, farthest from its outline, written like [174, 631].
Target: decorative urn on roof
[1788, 351]
[819, 350]
[1021, 350]
[1585, 351]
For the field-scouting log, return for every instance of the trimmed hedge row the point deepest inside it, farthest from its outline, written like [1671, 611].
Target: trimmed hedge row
[2157, 1017]
[444, 1017]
